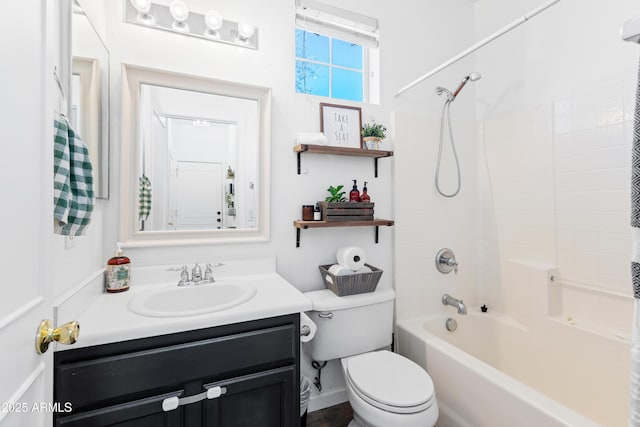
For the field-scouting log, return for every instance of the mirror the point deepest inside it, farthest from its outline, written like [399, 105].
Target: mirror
[195, 159]
[89, 109]
[199, 158]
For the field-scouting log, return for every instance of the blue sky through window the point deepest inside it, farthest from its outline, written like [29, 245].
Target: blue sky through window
[328, 67]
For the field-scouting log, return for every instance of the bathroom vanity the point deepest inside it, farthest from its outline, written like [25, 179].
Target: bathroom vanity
[249, 370]
[233, 366]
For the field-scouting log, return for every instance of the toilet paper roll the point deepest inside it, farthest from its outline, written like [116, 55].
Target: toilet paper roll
[337, 270]
[351, 257]
[307, 328]
[364, 269]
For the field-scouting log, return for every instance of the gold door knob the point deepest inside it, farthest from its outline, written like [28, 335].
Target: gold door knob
[65, 334]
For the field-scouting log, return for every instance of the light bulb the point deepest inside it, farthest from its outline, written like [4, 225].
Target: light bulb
[180, 13]
[213, 20]
[143, 7]
[245, 30]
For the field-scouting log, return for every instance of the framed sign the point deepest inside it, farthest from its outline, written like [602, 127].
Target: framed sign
[341, 125]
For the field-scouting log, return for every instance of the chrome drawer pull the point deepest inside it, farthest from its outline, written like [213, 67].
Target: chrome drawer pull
[171, 403]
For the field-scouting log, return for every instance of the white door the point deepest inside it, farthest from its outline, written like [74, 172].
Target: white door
[26, 171]
[196, 197]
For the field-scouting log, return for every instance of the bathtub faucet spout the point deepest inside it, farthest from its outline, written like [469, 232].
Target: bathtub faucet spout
[457, 303]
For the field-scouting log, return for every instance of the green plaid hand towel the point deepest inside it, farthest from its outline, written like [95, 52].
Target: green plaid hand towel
[144, 197]
[73, 198]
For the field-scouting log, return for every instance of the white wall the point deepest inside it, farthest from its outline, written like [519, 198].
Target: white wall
[73, 261]
[415, 28]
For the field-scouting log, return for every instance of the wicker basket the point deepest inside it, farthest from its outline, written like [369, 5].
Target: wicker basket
[351, 284]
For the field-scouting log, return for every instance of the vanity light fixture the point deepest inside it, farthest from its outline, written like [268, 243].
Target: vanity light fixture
[180, 12]
[143, 7]
[213, 20]
[177, 18]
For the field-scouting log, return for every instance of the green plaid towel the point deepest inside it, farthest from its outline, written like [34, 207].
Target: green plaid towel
[73, 197]
[144, 197]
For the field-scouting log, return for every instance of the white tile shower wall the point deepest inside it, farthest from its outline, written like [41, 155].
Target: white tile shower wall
[427, 222]
[519, 151]
[593, 136]
[571, 62]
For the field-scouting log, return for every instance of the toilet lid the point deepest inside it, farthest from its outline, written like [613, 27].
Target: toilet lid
[390, 381]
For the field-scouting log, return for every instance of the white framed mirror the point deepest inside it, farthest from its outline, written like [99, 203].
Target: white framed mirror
[195, 159]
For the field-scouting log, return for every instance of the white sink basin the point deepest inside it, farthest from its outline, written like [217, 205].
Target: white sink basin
[192, 300]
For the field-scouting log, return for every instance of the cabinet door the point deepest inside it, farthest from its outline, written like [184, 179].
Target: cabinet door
[139, 413]
[265, 399]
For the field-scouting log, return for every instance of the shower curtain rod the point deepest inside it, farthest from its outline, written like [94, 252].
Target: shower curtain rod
[478, 45]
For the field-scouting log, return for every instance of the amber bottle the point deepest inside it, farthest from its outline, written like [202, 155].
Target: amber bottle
[354, 194]
[118, 272]
[364, 197]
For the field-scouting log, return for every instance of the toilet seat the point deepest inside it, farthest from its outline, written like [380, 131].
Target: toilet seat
[390, 382]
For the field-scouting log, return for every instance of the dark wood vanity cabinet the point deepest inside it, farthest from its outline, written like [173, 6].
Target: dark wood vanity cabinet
[250, 369]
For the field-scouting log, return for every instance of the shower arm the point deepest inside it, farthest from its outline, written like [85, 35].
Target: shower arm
[460, 86]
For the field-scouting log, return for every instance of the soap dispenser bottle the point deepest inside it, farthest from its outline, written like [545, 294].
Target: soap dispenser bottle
[354, 194]
[364, 197]
[118, 272]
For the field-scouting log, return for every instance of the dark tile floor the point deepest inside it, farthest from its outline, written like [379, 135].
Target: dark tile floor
[333, 416]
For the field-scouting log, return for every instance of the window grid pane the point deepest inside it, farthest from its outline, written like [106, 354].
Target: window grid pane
[346, 54]
[312, 78]
[328, 67]
[346, 84]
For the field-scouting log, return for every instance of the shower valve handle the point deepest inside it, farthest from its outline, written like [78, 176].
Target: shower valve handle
[446, 261]
[451, 262]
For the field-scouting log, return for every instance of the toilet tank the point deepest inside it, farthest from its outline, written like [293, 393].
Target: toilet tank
[350, 324]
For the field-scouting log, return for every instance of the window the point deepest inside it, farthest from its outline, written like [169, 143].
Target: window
[331, 67]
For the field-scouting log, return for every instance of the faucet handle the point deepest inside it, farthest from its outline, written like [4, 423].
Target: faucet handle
[454, 263]
[208, 273]
[184, 276]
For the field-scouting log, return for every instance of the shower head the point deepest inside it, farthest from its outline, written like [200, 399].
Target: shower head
[473, 77]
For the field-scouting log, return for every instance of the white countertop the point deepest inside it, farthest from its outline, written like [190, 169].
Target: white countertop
[109, 319]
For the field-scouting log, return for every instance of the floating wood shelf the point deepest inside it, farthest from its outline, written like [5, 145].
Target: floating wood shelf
[342, 151]
[299, 225]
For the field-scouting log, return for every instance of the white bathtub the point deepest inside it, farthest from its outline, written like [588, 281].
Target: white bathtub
[494, 372]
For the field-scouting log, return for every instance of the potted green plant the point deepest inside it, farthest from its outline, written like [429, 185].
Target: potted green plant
[336, 194]
[372, 134]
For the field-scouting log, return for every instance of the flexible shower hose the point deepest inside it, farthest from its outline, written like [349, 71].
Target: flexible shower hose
[446, 111]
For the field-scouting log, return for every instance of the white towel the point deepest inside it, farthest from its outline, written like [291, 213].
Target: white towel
[317, 138]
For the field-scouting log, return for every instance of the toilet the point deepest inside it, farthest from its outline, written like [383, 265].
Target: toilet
[384, 388]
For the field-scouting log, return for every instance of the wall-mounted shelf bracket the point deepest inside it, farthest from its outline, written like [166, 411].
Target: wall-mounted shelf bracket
[299, 225]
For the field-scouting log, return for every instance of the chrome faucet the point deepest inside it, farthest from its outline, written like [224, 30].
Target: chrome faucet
[457, 303]
[196, 274]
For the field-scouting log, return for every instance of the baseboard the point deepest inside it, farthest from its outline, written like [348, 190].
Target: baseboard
[448, 418]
